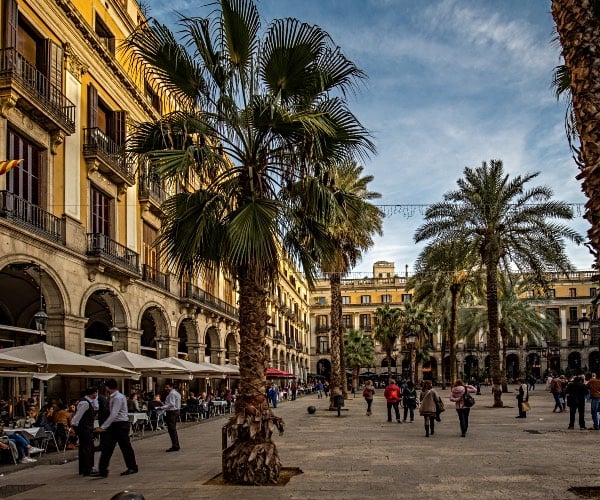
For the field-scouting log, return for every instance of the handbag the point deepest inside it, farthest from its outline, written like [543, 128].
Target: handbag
[439, 405]
[468, 400]
[526, 406]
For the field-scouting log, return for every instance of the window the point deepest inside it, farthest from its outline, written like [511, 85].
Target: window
[552, 293]
[386, 299]
[154, 100]
[406, 297]
[593, 292]
[107, 126]
[573, 336]
[365, 322]
[100, 213]
[106, 37]
[149, 251]
[572, 292]
[24, 181]
[323, 345]
[573, 314]
[345, 300]
[322, 321]
[347, 320]
[365, 299]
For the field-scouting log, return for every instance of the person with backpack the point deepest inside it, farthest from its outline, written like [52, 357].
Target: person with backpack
[556, 390]
[83, 424]
[409, 400]
[460, 395]
[368, 393]
[392, 395]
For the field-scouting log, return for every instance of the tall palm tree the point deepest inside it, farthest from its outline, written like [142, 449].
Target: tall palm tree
[259, 118]
[517, 318]
[351, 234]
[578, 28]
[387, 330]
[359, 352]
[501, 222]
[445, 267]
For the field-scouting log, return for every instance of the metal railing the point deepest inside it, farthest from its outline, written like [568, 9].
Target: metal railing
[197, 294]
[154, 276]
[151, 189]
[14, 66]
[31, 216]
[100, 245]
[96, 142]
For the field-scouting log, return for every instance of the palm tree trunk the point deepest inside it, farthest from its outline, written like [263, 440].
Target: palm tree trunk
[388, 357]
[504, 336]
[336, 337]
[491, 276]
[453, 334]
[252, 457]
[355, 377]
[443, 363]
[413, 365]
[579, 31]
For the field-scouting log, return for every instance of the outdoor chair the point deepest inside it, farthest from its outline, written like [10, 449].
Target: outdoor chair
[12, 451]
[50, 438]
[192, 412]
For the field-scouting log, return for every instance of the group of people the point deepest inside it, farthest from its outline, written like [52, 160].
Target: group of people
[430, 404]
[574, 394]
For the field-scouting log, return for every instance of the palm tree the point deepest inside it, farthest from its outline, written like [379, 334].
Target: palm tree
[359, 352]
[351, 234]
[256, 119]
[387, 330]
[516, 318]
[415, 319]
[444, 268]
[578, 28]
[501, 222]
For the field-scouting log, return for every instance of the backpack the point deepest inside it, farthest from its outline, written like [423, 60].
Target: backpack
[367, 393]
[468, 400]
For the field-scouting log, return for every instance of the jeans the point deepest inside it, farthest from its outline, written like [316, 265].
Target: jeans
[396, 409]
[595, 405]
[463, 419]
[557, 401]
[369, 403]
[20, 442]
[412, 412]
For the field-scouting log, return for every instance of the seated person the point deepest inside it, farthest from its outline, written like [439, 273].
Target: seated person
[192, 400]
[62, 421]
[155, 410]
[45, 419]
[133, 404]
[23, 447]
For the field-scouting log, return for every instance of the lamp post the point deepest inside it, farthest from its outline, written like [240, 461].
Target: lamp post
[114, 330]
[411, 339]
[40, 317]
[160, 342]
[584, 323]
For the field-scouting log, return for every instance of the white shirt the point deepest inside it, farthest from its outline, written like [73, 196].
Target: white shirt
[173, 401]
[118, 410]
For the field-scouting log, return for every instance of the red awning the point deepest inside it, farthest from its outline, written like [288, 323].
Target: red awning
[276, 373]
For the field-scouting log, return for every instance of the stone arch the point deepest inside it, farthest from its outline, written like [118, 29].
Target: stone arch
[324, 368]
[231, 349]
[212, 341]
[187, 339]
[275, 358]
[574, 363]
[512, 367]
[106, 316]
[154, 325]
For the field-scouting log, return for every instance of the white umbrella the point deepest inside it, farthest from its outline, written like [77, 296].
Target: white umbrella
[143, 364]
[8, 361]
[194, 368]
[62, 362]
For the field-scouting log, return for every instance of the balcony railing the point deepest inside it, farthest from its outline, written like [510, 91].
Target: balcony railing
[323, 350]
[102, 246]
[322, 328]
[366, 328]
[96, 144]
[151, 189]
[46, 101]
[197, 294]
[154, 276]
[30, 216]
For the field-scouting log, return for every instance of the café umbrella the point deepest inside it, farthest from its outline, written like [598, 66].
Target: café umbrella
[146, 366]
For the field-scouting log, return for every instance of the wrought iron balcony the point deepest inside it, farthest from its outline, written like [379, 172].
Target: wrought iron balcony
[31, 217]
[196, 294]
[322, 328]
[323, 350]
[154, 276]
[104, 154]
[152, 193]
[106, 252]
[22, 82]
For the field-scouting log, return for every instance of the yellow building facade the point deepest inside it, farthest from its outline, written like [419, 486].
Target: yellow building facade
[569, 300]
[78, 222]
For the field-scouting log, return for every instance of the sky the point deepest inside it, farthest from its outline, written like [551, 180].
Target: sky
[451, 83]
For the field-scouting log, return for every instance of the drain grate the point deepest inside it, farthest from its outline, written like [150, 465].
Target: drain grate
[586, 491]
[8, 490]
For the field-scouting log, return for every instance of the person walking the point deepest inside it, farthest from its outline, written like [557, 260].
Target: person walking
[319, 389]
[172, 409]
[83, 425]
[459, 389]
[575, 393]
[368, 393]
[116, 428]
[392, 396]
[428, 407]
[409, 400]
[522, 396]
[594, 388]
[556, 390]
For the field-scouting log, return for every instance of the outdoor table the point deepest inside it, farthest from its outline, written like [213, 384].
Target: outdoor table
[135, 419]
[27, 432]
[220, 405]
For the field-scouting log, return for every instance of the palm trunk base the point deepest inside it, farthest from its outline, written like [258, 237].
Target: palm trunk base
[497, 392]
[251, 463]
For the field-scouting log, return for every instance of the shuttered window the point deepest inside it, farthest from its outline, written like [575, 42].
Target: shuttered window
[100, 212]
[24, 180]
[11, 22]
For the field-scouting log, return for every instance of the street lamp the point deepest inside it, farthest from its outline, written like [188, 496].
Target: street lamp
[160, 341]
[411, 339]
[40, 317]
[584, 323]
[114, 330]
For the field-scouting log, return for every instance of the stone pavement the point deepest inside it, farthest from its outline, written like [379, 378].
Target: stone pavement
[356, 456]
